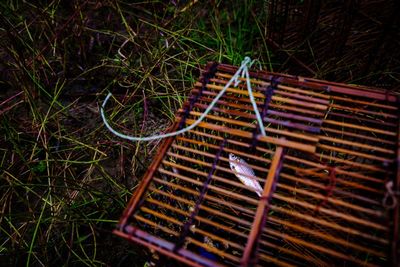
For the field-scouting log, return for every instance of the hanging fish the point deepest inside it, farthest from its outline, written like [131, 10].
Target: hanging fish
[245, 173]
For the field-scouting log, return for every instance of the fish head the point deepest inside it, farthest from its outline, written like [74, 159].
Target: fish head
[233, 157]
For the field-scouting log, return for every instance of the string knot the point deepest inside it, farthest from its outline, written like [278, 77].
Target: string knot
[390, 201]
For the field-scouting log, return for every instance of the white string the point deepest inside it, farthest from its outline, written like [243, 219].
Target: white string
[242, 71]
[390, 199]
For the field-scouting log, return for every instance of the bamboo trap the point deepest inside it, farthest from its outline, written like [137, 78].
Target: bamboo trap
[328, 153]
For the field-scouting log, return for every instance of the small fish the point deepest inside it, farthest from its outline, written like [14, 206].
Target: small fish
[245, 173]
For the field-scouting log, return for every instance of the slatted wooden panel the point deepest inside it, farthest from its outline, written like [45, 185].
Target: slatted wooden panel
[329, 150]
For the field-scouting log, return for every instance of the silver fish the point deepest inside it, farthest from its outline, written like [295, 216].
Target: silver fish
[245, 173]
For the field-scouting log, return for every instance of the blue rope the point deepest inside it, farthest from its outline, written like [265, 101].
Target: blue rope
[243, 71]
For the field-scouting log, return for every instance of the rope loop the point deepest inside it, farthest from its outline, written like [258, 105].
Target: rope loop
[242, 72]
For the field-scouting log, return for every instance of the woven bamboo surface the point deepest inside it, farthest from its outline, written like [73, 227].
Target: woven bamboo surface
[329, 151]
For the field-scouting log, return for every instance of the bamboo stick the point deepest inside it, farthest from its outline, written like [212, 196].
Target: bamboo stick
[211, 198]
[359, 127]
[204, 207]
[356, 144]
[312, 163]
[352, 152]
[267, 139]
[337, 189]
[275, 261]
[208, 145]
[363, 111]
[337, 214]
[279, 92]
[336, 202]
[367, 103]
[319, 248]
[280, 86]
[340, 181]
[338, 173]
[361, 136]
[263, 204]
[353, 163]
[165, 248]
[340, 228]
[325, 237]
[260, 103]
[250, 108]
[275, 98]
[202, 163]
[292, 213]
[289, 124]
[194, 241]
[196, 229]
[198, 183]
[214, 177]
[210, 155]
[252, 126]
[353, 118]
[338, 170]
[234, 142]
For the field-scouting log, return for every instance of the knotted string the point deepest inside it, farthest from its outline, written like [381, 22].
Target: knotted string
[389, 201]
[243, 72]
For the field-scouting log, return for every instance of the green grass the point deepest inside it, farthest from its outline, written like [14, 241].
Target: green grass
[64, 179]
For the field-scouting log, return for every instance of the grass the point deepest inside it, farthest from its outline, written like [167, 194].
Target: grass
[64, 179]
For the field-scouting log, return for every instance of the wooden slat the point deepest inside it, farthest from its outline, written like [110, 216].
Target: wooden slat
[262, 206]
[260, 103]
[279, 92]
[325, 237]
[360, 136]
[270, 111]
[275, 98]
[211, 198]
[249, 125]
[363, 111]
[366, 103]
[266, 84]
[337, 214]
[329, 225]
[320, 249]
[165, 248]
[286, 123]
[355, 153]
[359, 127]
[356, 144]
[266, 139]
[334, 201]
[200, 244]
